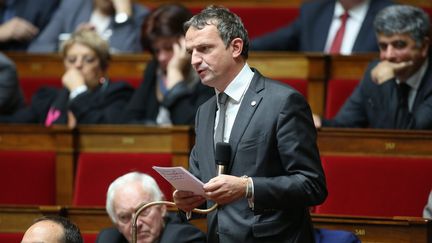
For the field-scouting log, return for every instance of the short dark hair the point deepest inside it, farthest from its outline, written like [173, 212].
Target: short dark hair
[403, 19]
[165, 21]
[228, 24]
[72, 233]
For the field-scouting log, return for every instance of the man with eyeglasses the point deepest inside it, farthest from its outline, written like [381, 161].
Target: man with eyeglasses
[154, 224]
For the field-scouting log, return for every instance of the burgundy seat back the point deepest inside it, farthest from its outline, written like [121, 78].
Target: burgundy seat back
[96, 171]
[376, 186]
[11, 237]
[337, 93]
[27, 177]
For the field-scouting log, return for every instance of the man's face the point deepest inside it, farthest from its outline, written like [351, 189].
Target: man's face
[45, 231]
[150, 222]
[211, 59]
[86, 62]
[402, 48]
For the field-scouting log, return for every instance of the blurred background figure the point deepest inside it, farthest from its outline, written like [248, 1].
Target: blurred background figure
[53, 229]
[320, 22]
[11, 96]
[118, 21]
[87, 96]
[396, 91]
[171, 91]
[22, 20]
[155, 224]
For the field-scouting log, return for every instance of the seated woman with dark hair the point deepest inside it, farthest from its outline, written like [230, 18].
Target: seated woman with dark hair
[171, 90]
[87, 95]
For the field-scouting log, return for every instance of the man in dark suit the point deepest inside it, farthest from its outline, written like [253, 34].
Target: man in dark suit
[316, 25]
[396, 92]
[155, 224]
[22, 20]
[275, 172]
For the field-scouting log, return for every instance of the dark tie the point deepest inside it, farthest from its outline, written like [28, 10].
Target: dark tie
[337, 41]
[222, 98]
[403, 94]
[402, 109]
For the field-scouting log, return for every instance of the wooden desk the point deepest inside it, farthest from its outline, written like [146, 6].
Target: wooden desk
[374, 229]
[176, 140]
[19, 218]
[368, 229]
[39, 138]
[347, 141]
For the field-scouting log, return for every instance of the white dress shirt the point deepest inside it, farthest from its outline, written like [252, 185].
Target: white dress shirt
[352, 28]
[235, 91]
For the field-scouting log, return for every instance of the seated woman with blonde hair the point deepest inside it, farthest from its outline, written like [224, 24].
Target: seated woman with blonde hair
[87, 96]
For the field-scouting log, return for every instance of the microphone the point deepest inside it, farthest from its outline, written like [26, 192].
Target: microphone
[222, 157]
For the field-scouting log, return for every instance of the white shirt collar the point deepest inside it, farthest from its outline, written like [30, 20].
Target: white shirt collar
[358, 12]
[415, 79]
[237, 88]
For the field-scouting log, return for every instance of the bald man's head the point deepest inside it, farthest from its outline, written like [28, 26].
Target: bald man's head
[52, 230]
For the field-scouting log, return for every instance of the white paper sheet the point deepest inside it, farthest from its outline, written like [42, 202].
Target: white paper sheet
[181, 179]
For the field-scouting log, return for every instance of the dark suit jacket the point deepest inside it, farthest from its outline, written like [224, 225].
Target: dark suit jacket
[71, 13]
[175, 231]
[182, 101]
[99, 106]
[11, 97]
[36, 12]
[308, 33]
[273, 140]
[375, 106]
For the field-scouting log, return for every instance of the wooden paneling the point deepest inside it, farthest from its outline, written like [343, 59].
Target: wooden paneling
[374, 229]
[368, 229]
[346, 141]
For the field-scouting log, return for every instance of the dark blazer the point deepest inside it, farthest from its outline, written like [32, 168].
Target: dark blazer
[308, 33]
[273, 140]
[99, 106]
[11, 97]
[175, 231]
[182, 101]
[36, 12]
[125, 37]
[375, 106]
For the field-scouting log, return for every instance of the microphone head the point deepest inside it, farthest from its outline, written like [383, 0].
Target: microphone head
[223, 153]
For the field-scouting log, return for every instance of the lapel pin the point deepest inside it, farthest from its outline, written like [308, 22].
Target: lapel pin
[253, 103]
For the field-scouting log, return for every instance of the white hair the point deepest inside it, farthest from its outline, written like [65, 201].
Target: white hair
[147, 182]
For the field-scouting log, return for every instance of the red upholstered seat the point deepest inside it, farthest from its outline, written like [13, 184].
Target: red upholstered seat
[27, 178]
[376, 186]
[89, 237]
[11, 237]
[299, 84]
[31, 85]
[337, 93]
[95, 171]
[260, 20]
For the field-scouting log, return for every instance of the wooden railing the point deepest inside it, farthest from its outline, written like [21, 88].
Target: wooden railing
[368, 229]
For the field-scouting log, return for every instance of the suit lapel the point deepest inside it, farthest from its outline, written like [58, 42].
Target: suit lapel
[425, 87]
[249, 104]
[210, 114]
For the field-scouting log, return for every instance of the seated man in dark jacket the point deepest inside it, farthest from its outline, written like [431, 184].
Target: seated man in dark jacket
[154, 224]
[396, 92]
